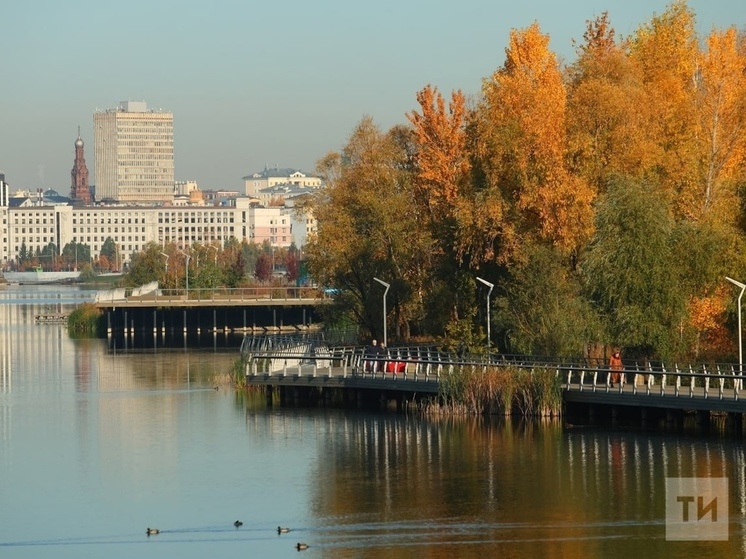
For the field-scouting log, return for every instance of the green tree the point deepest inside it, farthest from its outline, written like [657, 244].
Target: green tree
[49, 255]
[630, 271]
[542, 310]
[147, 265]
[86, 272]
[75, 254]
[110, 251]
[23, 254]
[250, 252]
[207, 273]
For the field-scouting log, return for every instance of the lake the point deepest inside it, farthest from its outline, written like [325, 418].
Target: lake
[96, 445]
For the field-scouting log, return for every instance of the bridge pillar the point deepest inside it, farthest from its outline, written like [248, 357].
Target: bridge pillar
[268, 394]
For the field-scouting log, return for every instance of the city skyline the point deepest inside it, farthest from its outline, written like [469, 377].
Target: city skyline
[255, 86]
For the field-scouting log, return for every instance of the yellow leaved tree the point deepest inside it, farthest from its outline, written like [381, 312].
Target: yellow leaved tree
[524, 144]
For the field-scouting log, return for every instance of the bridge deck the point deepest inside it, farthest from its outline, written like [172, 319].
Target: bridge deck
[685, 391]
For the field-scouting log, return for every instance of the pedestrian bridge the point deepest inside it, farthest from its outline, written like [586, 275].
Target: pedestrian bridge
[302, 363]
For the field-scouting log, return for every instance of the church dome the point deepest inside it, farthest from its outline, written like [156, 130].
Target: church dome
[79, 142]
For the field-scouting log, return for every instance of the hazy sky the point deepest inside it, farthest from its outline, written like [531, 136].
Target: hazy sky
[252, 83]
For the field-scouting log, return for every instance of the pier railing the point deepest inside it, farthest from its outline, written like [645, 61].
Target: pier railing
[293, 355]
[218, 294]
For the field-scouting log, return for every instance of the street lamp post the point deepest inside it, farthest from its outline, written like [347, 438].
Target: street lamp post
[386, 285]
[166, 255]
[188, 257]
[740, 331]
[489, 292]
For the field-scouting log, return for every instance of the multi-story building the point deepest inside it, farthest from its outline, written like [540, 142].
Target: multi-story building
[271, 225]
[133, 227]
[254, 184]
[134, 154]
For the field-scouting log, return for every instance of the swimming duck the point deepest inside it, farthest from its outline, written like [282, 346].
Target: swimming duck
[281, 530]
[238, 523]
[152, 531]
[301, 546]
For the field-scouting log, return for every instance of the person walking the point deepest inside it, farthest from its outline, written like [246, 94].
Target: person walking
[616, 366]
[371, 352]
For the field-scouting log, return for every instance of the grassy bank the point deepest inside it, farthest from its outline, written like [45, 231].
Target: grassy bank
[499, 391]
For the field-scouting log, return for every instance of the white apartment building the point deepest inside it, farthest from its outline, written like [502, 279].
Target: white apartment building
[134, 154]
[257, 182]
[133, 227]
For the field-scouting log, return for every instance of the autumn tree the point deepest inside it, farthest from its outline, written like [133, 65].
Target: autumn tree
[445, 205]
[292, 263]
[525, 144]
[441, 161]
[608, 115]
[721, 107]
[367, 228]
[666, 50]
[232, 261]
[263, 270]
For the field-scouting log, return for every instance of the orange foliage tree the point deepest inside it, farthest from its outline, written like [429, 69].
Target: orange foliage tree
[526, 141]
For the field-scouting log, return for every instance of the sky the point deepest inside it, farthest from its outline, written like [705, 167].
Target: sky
[260, 84]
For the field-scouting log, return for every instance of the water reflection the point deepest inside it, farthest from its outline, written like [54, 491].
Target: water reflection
[94, 441]
[409, 486]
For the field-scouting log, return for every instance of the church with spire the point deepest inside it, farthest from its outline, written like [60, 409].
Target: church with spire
[80, 192]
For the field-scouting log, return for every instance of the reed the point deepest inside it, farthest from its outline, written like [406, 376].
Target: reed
[498, 391]
[85, 321]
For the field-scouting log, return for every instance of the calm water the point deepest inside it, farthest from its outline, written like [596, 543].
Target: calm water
[97, 446]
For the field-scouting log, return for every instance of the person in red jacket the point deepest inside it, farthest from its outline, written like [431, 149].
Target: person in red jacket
[616, 366]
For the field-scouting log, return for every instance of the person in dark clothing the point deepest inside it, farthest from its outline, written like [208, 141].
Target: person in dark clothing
[371, 352]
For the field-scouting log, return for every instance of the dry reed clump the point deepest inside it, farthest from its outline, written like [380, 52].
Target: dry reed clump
[499, 391]
[84, 321]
